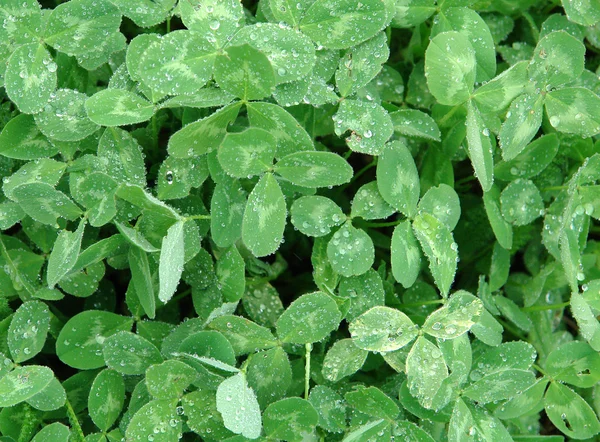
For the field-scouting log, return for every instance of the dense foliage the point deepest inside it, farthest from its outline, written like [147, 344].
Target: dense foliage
[299, 220]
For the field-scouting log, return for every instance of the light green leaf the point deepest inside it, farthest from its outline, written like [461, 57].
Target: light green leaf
[314, 169]
[521, 202]
[369, 124]
[425, 371]
[30, 77]
[78, 26]
[169, 379]
[499, 92]
[269, 375]
[442, 202]
[231, 273]
[290, 52]
[480, 147]
[64, 254]
[470, 24]
[574, 110]
[289, 419]
[502, 229]
[456, 318]
[343, 359]
[382, 329]
[10, 214]
[142, 280]
[513, 313]
[179, 63]
[264, 217]
[118, 107]
[44, 170]
[450, 65]
[523, 403]
[136, 238]
[28, 329]
[330, 406]
[247, 153]
[522, 122]
[470, 424]
[79, 343]
[369, 204]
[558, 59]
[361, 64]
[438, 245]
[216, 20]
[97, 193]
[204, 135]
[245, 72]
[570, 413]
[398, 179]
[589, 326]
[372, 401]
[499, 386]
[171, 262]
[585, 13]
[310, 318]
[238, 405]
[129, 353]
[350, 251]
[44, 203]
[145, 13]
[405, 255]
[106, 398]
[23, 383]
[157, 420]
[372, 430]
[226, 213]
[51, 398]
[409, 13]
[22, 140]
[56, 432]
[575, 363]
[177, 176]
[531, 161]
[414, 123]
[244, 335]
[316, 215]
[200, 407]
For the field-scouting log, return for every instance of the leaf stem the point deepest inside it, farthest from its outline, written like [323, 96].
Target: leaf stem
[307, 370]
[541, 370]
[188, 218]
[30, 422]
[383, 224]
[534, 30]
[539, 308]
[78, 432]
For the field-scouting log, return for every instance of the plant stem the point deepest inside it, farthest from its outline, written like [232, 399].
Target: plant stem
[188, 218]
[540, 369]
[534, 30]
[384, 224]
[307, 371]
[539, 308]
[78, 435]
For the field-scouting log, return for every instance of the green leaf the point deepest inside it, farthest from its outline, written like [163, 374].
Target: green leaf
[244, 335]
[374, 402]
[129, 353]
[141, 277]
[28, 330]
[269, 374]
[343, 359]
[231, 272]
[248, 153]
[264, 217]
[558, 59]
[291, 53]
[438, 245]
[372, 430]
[64, 254]
[525, 402]
[106, 398]
[513, 313]
[450, 65]
[585, 13]
[136, 238]
[350, 251]
[382, 329]
[443, 203]
[499, 386]
[51, 398]
[205, 135]
[118, 107]
[310, 318]
[64, 117]
[425, 371]
[531, 161]
[76, 27]
[363, 291]
[575, 363]
[499, 268]
[361, 64]
[23, 383]
[145, 14]
[480, 147]
[40, 171]
[409, 13]
[341, 24]
[499, 92]
[79, 343]
[201, 409]
[570, 413]
[470, 24]
[369, 204]
[289, 419]
[314, 169]
[30, 77]
[177, 176]
[330, 407]
[574, 110]
[98, 194]
[315, 215]
[245, 72]
[238, 405]
[369, 124]
[469, 423]
[226, 213]
[44, 203]
[398, 179]
[179, 63]
[589, 326]
[157, 420]
[502, 228]
[56, 432]
[171, 262]
[215, 20]
[405, 255]
[522, 122]
[521, 202]
[457, 317]
[169, 379]
[10, 214]
[414, 123]
[22, 140]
